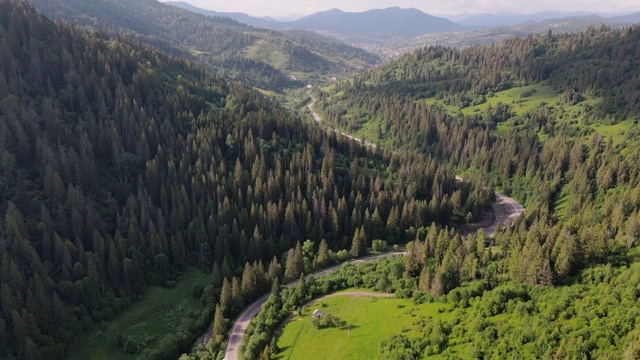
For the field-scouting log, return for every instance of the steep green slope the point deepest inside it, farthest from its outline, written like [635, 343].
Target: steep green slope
[123, 167]
[224, 45]
[596, 316]
[552, 120]
[561, 282]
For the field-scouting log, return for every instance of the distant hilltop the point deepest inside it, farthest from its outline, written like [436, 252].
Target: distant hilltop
[376, 26]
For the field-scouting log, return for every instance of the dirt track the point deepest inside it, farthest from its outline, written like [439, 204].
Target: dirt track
[318, 119]
[505, 210]
[352, 293]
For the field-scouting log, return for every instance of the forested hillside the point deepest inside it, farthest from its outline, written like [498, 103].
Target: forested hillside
[122, 167]
[264, 58]
[552, 120]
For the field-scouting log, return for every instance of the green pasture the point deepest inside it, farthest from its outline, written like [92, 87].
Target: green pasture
[267, 52]
[369, 320]
[161, 312]
[521, 99]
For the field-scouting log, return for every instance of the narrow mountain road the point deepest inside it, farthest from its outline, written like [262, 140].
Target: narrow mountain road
[241, 324]
[505, 210]
[318, 119]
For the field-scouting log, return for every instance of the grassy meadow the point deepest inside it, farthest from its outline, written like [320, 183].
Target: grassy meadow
[369, 320]
[521, 99]
[160, 313]
[571, 118]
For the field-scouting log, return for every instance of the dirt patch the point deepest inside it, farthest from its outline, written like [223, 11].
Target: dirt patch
[488, 219]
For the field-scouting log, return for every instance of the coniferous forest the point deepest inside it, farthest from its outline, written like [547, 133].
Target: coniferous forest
[122, 166]
[577, 185]
[125, 164]
[268, 59]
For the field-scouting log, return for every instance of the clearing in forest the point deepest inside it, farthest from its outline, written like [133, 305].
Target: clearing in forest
[368, 321]
[161, 313]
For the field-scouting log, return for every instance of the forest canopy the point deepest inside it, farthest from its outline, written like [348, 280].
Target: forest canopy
[122, 166]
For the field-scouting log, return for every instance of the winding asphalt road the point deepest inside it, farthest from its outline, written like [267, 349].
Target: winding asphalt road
[241, 324]
[505, 209]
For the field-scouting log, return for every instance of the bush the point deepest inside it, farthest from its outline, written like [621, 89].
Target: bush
[403, 293]
[397, 347]
[342, 255]
[379, 245]
[328, 321]
[528, 93]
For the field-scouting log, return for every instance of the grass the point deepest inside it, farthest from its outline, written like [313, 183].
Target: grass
[370, 321]
[369, 130]
[159, 313]
[617, 132]
[524, 99]
[450, 109]
[267, 52]
[521, 99]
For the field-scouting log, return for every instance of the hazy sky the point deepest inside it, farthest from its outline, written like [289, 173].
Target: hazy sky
[278, 8]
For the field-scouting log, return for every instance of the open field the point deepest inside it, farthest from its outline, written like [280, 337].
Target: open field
[521, 99]
[369, 320]
[268, 53]
[568, 118]
[160, 312]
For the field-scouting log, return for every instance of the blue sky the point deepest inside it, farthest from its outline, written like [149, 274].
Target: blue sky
[278, 8]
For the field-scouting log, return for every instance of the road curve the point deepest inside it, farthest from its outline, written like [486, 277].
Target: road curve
[505, 209]
[318, 119]
[241, 324]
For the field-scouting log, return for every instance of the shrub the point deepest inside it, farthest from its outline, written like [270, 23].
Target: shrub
[379, 245]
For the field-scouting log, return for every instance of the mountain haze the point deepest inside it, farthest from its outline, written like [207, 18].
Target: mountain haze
[377, 26]
[264, 58]
[267, 23]
[627, 19]
[494, 20]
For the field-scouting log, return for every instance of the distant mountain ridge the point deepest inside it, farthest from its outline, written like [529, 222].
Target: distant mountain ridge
[378, 25]
[493, 20]
[391, 22]
[626, 19]
[396, 25]
[271, 60]
[263, 22]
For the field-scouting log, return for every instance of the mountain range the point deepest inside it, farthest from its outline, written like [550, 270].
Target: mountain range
[392, 24]
[268, 23]
[493, 20]
[267, 59]
[375, 26]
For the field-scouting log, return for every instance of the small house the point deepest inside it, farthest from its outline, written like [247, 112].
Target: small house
[317, 313]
